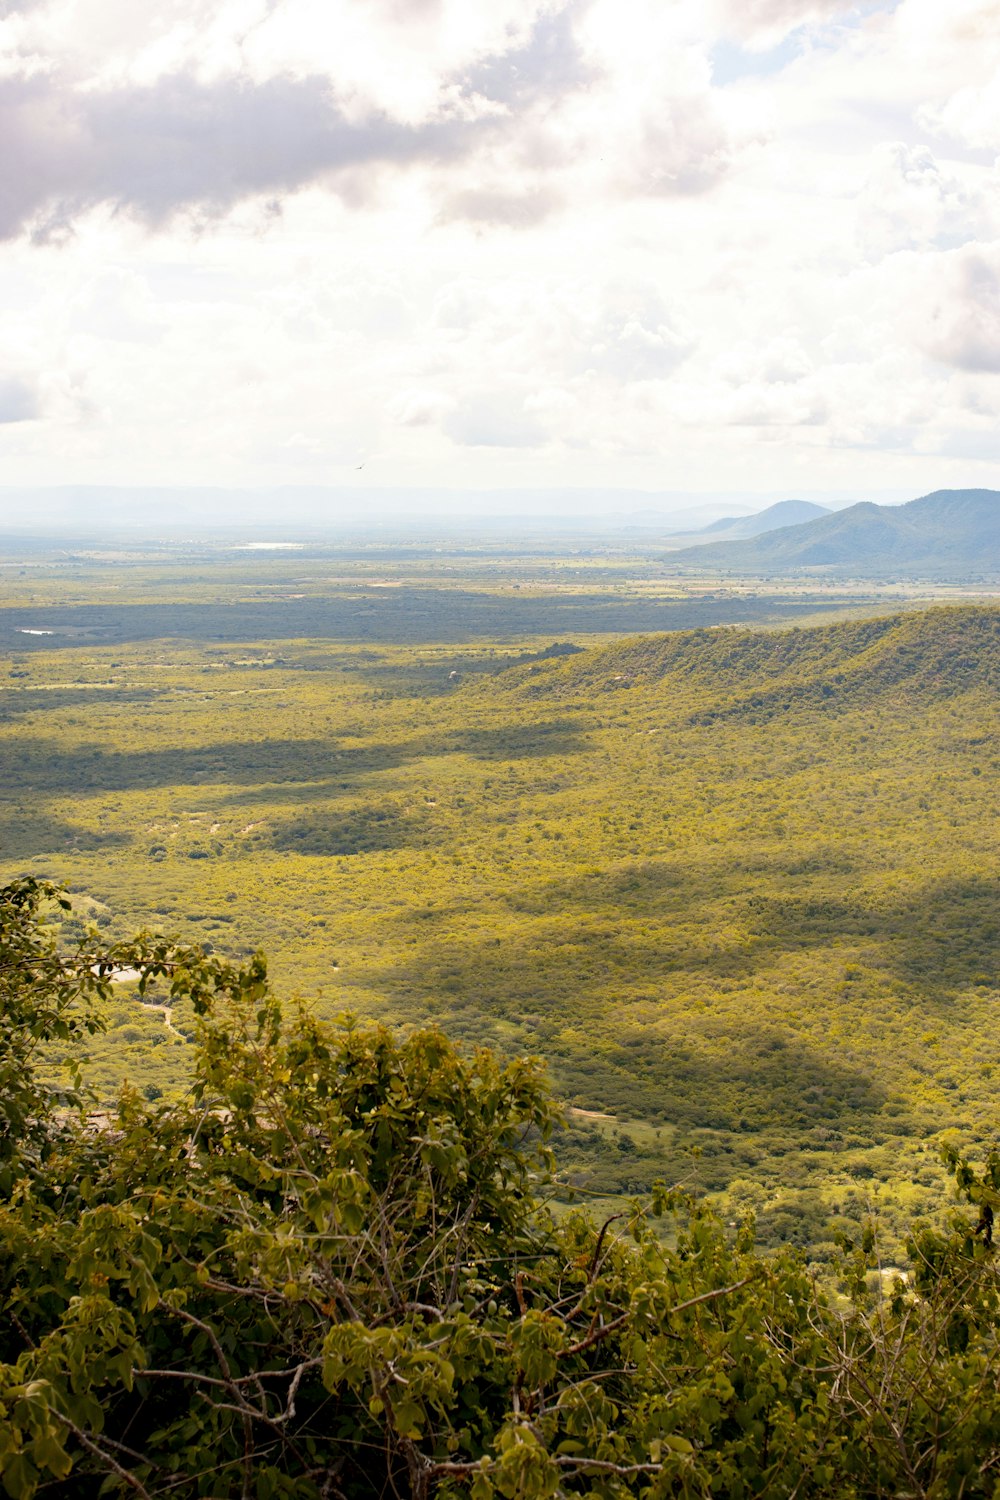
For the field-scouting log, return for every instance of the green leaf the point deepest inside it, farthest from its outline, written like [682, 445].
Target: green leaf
[20, 1477]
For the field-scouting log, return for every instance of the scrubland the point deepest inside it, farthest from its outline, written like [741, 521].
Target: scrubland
[736, 886]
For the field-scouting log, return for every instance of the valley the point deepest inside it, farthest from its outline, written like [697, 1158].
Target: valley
[735, 883]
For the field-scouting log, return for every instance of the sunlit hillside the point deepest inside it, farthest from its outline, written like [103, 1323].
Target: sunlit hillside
[737, 888]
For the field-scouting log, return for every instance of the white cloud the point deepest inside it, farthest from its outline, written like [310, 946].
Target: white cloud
[526, 243]
[910, 202]
[958, 321]
[765, 23]
[493, 419]
[19, 400]
[421, 407]
[683, 147]
[970, 115]
[494, 205]
[181, 144]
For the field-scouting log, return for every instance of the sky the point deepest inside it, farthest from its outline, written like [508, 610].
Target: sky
[746, 246]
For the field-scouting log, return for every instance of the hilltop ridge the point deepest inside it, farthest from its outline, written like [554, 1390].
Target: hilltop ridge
[943, 651]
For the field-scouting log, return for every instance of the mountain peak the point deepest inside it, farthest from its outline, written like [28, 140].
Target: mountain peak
[948, 533]
[782, 513]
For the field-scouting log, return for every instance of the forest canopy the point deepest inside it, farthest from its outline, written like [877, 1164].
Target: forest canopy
[332, 1269]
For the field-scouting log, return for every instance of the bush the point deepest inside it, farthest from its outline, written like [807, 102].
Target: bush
[331, 1271]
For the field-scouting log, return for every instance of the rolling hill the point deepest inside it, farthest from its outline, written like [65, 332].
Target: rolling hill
[947, 534]
[738, 888]
[938, 652]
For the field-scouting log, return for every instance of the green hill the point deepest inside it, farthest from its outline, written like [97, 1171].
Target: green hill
[737, 888]
[947, 534]
[944, 651]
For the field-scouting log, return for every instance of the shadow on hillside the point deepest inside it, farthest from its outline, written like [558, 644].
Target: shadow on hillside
[14, 702]
[365, 830]
[25, 837]
[654, 885]
[943, 937]
[42, 764]
[571, 958]
[759, 1080]
[430, 679]
[950, 932]
[521, 741]
[405, 616]
[737, 1074]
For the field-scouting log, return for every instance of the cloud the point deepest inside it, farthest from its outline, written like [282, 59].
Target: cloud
[18, 400]
[562, 330]
[494, 420]
[500, 207]
[764, 23]
[959, 323]
[684, 148]
[971, 115]
[769, 362]
[411, 10]
[420, 407]
[528, 238]
[634, 336]
[910, 202]
[180, 143]
[780, 406]
[548, 65]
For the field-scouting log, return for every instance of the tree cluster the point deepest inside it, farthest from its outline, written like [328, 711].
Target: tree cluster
[331, 1270]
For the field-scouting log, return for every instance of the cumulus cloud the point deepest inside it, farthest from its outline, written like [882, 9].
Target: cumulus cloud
[959, 323]
[970, 115]
[420, 407]
[493, 420]
[909, 202]
[532, 113]
[549, 64]
[181, 143]
[18, 400]
[683, 148]
[529, 237]
[764, 23]
[494, 206]
[411, 10]
[560, 331]
[951, 53]
[775, 361]
[776, 407]
[631, 334]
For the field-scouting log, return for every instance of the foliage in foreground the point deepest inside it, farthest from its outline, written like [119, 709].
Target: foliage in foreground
[331, 1272]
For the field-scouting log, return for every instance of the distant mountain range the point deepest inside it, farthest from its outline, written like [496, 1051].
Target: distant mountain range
[74, 511]
[784, 513]
[949, 533]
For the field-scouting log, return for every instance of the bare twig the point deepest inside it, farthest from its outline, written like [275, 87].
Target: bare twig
[105, 1458]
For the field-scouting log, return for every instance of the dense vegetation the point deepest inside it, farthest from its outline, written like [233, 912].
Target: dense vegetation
[329, 1271]
[737, 887]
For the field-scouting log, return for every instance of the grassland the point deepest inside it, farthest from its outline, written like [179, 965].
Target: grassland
[739, 888]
